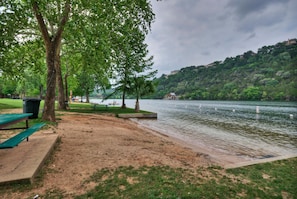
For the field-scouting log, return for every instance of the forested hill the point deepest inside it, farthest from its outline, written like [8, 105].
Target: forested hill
[269, 74]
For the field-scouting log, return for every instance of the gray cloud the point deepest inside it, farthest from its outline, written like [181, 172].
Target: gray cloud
[246, 8]
[251, 36]
[252, 14]
[196, 32]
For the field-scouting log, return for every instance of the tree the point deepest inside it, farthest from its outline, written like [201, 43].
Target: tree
[142, 86]
[86, 83]
[252, 93]
[131, 57]
[31, 19]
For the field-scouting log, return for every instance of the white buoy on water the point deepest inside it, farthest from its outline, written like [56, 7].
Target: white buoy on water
[257, 109]
[257, 116]
[233, 110]
[291, 116]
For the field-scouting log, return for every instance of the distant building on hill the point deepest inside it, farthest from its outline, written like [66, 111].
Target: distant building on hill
[174, 72]
[171, 96]
[291, 41]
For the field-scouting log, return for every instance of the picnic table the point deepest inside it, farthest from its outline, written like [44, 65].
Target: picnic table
[10, 119]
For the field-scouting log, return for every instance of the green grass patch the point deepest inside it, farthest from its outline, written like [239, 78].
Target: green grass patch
[10, 103]
[100, 109]
[269, 180]
[74, 107]
[274, 179]
[6, 103]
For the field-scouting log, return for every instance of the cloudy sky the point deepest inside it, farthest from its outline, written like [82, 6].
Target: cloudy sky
[199, 32]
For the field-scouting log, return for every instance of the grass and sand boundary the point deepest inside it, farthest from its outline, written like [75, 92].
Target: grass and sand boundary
[162, 179]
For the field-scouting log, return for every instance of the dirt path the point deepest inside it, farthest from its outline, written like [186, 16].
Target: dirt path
[92, 142]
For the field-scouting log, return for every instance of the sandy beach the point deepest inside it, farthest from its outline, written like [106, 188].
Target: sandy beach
[90, 142]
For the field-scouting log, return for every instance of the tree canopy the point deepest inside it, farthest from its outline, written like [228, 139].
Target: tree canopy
[90, 33]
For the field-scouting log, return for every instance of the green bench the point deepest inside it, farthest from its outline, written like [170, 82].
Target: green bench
[15, 140]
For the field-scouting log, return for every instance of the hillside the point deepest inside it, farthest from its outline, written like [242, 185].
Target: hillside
[269, 74]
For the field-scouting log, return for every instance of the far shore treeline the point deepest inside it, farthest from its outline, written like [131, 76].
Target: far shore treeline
[270, 74]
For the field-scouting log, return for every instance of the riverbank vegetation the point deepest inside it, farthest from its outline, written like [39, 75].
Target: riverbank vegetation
[269, 74]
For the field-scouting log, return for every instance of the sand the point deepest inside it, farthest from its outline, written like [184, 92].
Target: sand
[90, 142]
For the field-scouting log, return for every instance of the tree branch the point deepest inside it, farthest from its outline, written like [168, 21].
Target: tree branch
[41, 23]
[63, 21]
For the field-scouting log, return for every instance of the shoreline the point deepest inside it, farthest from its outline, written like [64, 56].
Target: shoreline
[215, 156]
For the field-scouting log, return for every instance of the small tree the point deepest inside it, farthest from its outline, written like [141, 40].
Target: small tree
[142, 86]
[86, 84]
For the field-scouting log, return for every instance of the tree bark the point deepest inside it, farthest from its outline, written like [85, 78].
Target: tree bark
[49, 101]
[123, 99]
[87, 96]
[137, 105]
[66, 87]
[61, 95]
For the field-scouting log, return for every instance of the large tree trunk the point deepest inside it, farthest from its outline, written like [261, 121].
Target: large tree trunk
[61, 95]
[66, 87]
[87, 95]
[123, 99]
[137, 108]
[49, 101]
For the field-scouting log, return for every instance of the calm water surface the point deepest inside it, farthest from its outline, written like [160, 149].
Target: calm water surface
[232, 128]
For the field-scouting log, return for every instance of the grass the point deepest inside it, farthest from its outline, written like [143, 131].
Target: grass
[74, 107]
[100, 109]
[13, 103]
[10, 103]
[269, 180]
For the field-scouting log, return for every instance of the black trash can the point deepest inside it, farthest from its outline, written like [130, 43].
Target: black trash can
[31, 105]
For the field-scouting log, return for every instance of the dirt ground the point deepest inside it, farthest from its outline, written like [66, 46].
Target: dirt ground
[90, 142]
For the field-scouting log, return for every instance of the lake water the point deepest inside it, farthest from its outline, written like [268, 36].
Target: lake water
[227, 129]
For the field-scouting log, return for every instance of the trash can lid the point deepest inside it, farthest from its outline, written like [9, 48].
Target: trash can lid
[31, 99]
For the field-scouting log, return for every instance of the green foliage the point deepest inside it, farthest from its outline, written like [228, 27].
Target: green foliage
[269, 74]
[251, 93]
[96, 36]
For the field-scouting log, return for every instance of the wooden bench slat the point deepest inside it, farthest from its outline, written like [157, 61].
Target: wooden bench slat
[15, 140]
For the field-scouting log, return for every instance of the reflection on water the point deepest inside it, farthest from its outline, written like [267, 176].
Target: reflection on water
[249, 129]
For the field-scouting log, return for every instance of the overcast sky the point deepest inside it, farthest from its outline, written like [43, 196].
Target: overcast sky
[199, 32]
